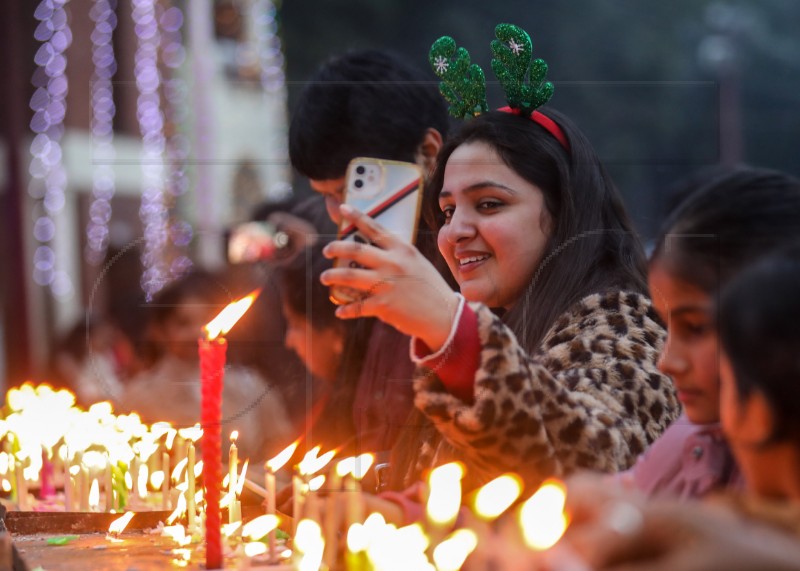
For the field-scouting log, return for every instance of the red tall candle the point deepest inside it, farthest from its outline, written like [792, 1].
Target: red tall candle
[212, 367]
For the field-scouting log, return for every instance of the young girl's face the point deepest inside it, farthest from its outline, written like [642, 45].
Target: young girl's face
[496, 226]
[690, 352]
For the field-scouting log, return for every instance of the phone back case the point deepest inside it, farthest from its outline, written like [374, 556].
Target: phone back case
[390, 192]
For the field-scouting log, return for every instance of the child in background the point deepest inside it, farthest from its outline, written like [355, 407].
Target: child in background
[170, 389]
[759, 330]
[730, 218]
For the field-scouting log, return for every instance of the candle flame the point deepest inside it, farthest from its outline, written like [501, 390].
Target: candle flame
[228, 529]
[254, 548]
[260, 526]
[94, 495]
[278, 461]
[179, 510]
[357, 539]
[177, 472]
[497, 496]
[542, 516]
[241, 478]
[450, 554]
[157, 478]
[228, 317]
[312, 463]
[361, 465]
[445, 493]
[118, 525]
[315, 483]
[234, 436]
[308, 541]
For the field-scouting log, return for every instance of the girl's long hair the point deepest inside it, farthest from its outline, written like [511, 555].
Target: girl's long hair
[593, 246]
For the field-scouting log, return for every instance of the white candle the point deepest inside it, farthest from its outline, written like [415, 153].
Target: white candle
[190, 507]
[108, 483]
[22, 485]
[233, 462]
[67, 483]
[165, 504]
[298, 494]
[134, 470]
[333, 513]
[84, 488]
[270, 485]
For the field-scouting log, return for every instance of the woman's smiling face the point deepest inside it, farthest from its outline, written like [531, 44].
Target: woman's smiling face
[496, 226]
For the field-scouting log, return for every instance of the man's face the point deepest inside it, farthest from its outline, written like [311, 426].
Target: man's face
[333, 191]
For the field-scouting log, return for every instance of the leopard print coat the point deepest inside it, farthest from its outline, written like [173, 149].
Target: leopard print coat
[590, 397]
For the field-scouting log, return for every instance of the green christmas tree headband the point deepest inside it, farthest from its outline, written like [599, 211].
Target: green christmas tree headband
[463, 83]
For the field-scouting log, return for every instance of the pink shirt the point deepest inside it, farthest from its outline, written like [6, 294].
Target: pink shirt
[688, 461]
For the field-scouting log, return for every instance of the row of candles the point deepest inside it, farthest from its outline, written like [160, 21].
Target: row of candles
[164, 459]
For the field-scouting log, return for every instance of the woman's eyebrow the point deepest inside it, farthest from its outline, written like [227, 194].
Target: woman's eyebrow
[474, 187]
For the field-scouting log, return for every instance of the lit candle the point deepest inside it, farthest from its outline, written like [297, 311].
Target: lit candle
[190, 509]
[108, 483]
[270, 467]
[444, 499]
[211, 349]
[84, 488]
[22, 484]
[165, 505]
[233, 462]
[134, 471]
[333, 509]
[46, 488]
[67, 482]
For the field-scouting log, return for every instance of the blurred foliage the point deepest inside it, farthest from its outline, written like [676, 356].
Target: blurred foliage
[641, 77]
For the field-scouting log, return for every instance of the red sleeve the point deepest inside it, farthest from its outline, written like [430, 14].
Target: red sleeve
[412, 510]
[457, 363]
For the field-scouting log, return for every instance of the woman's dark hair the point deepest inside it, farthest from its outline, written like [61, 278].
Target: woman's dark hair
[730, 218]
[301, 289]
[593, 246]
[363, 103]
[758, 316]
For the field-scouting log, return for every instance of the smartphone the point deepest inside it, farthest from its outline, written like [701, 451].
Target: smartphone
[390, 192]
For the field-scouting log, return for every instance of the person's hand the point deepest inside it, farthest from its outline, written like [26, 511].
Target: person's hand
[614, 529]
[403, 288]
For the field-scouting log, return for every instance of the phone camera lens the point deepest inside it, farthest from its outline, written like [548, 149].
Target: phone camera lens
[360, 170]
[358, 183]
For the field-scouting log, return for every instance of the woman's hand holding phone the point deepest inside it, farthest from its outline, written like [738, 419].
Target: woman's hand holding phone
[401, 287]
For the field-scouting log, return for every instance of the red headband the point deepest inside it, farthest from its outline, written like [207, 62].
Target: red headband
[549, 125]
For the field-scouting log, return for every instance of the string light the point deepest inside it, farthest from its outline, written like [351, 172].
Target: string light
[273, 78]
[48, 177]
[173, 56]
[153, 211]
[103, 110]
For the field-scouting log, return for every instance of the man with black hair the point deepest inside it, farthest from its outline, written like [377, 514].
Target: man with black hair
[369, 103]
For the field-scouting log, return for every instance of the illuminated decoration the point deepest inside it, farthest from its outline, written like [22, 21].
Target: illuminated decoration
[48, 177]
[102, 126]
[153, 211]
[176, 112]
[273, 77]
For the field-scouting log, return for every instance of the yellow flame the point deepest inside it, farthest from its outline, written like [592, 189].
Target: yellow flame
[542, 516]
[179, 510]
[141, 484]
[157, 478]
[450, 554]
[260, 526]
[234, 436]
[357, 539]
[312, 463]
[345, 466]
[254, 548]
[94, 494]
[240, 479]
[444, 499]
[119, 524]
[6, 485]
[177, 533]
[308, 541]
[228, 529]
[177, 472]
[315, 483]
[497, 496]
[276, 463]
[198, 469]
[361, 465]
[228, 317]
[192, 433]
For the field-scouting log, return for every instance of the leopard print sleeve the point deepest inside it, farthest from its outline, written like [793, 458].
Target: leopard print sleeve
[590, 397]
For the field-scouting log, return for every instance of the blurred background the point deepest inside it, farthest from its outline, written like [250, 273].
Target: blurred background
[135, 133]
